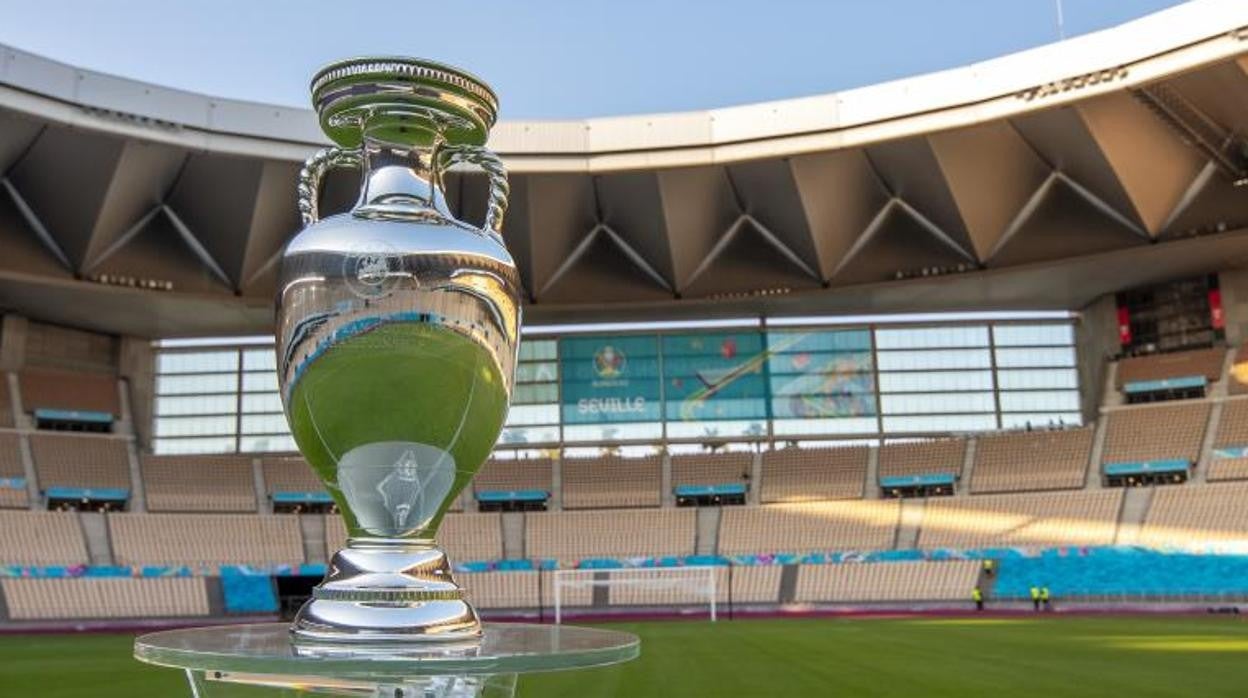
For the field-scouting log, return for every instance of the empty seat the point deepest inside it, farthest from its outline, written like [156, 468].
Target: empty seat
[936, 457]
[80, 460]
[809, 527]
[198, 483]
[289, 474]
[67, 390]
[1179, 364]
[12, 472]
[887, 581]
[1197, 517]
[41, 538]
[711, 468]
[571, 536]
[464, 537]
[195, 539]
[612, 481]
[1043, 460]
[668, 586]
[1037, 520]
[810, 474]
[1164, 432]
[1230, 444]
[122, 597]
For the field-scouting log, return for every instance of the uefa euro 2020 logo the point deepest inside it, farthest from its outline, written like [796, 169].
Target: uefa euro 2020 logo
[373, 270]
[609, 362]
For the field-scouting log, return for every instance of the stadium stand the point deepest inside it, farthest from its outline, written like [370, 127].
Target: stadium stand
[1229, 459]
[514, 483]
[809, 527]
[572, 596]
[501, 590]
[940, 456]
[1153, 433]
[1206, 363]
[198, 539]
[711, 468]
[12, 474]
[66, 390]
[80, 461]
[1035, 520]
[289, 474]
[464, 537]
[893, 581]
[612, 481]
[41, 538]
[573, 536]
[1196, 518]
[807, 474]
[198, 483]
[1023, 461]
[121, 597]
[666, 591]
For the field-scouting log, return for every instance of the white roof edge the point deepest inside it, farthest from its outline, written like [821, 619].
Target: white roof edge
[1172, 40]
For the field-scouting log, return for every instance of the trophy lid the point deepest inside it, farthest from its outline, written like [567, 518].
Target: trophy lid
[402, 100]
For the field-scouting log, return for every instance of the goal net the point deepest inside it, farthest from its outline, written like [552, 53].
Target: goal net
[642, 586]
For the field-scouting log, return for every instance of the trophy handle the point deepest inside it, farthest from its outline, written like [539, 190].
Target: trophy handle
[314, 168]
[449, 155]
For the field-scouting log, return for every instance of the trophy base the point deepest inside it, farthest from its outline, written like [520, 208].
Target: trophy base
[387, 591]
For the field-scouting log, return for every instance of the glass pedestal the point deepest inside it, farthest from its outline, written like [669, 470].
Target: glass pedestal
[262, 660]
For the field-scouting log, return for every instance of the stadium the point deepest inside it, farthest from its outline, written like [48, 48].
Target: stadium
[801, 383]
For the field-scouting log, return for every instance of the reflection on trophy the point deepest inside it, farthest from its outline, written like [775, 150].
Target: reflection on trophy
[397, 334]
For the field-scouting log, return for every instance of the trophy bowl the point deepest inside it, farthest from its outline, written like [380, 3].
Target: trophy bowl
[397, 332]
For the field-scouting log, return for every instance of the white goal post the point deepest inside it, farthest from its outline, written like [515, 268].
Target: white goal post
[683, 585]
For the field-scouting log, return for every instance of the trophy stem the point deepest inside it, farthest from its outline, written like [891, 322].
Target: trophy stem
[381, 590]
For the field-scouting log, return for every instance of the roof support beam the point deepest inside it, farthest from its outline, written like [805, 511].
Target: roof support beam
[1100, 204]
[719, 247]
[781, 247]
[867, 233]
[33, 220]
[1024, 214]
[1189, 195]
[125, 238]
[192, 242]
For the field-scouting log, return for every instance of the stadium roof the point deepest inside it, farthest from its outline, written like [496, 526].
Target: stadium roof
[1041, 179]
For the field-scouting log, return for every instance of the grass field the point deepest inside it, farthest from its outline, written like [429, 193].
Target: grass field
[859, 658]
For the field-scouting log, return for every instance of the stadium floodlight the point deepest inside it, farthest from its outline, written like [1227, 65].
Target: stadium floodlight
[666, 586]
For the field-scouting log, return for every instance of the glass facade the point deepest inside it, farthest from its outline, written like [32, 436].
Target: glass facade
[790, 383]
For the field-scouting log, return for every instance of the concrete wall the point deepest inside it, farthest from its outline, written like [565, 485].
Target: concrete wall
[1096, 339]
[1234, 284]
[56, 347]
[137, 366]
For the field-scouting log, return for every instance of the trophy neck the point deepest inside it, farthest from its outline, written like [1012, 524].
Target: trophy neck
[400, 181]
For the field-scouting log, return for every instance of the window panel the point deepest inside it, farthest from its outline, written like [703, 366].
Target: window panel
[1033, 335]
[216, 444]
[845, 425]
[932, 337]
[1040, 401]
[259, 360]
[1040, 420]
[262, 402]
[582, 433]
[530, 435]
[265, 424]
[1037, 378]
[260, 382]
[918, 382]
[538, 349]
[189, 385]
[522, 415]
[195, 404]
[537, 372]
[197, 362]
[194, 426]
[937, 358]
[267, 443]
[933, 403]
[716, 429]
[940, 423]
[535, 394]
[1055, 356]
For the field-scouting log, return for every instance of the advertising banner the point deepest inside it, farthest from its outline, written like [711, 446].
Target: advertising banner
[823, 374]
[715, 376]
[607, 379]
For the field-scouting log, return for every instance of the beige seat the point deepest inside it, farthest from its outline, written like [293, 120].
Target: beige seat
[464, 537]
[1156, 432]
[69, 390]
[123, 597]
[41, 538]
[939, 456]
[809, 527]
[811, 474]
[887, 581]
[80, 460]
[1035, 520]
[199, 483]
[572, 536]
[612, 481]
[1178, 364]
[1022, 461]
[1196, 517]
[205, 539]
[11, 469]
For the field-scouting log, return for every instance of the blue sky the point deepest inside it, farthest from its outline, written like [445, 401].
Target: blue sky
[547, 58]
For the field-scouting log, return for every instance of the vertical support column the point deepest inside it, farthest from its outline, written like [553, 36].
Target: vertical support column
[33, 490]
[556, 482]
[13, 342]
[15, 401]
[1093, 479]
[138, 496]
[1200, 469]
[755, 495]
[261, 487]
[138, 368]
[968, 466]
[871, 488]
[667, 499]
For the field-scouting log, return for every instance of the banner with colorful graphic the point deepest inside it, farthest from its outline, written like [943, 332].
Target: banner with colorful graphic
[608, 379]
[714, 376]
[815, 375]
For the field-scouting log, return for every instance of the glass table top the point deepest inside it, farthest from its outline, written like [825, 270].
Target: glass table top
[268, 649]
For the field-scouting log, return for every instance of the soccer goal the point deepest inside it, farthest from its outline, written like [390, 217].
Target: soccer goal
[641, 586]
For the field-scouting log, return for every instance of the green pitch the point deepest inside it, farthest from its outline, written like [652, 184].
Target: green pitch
[855, 658]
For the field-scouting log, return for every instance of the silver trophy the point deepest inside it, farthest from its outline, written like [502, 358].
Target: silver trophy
[397, 334]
